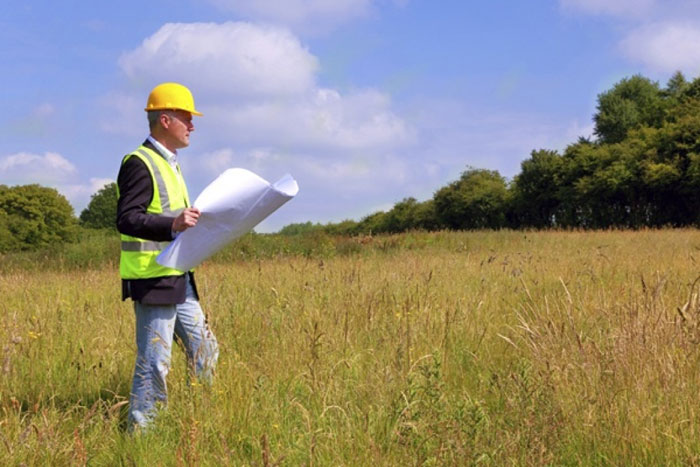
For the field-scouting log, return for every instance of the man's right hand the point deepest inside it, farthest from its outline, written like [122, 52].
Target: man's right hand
[186, 219]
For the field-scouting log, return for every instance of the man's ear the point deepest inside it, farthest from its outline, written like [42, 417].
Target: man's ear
[164, 120]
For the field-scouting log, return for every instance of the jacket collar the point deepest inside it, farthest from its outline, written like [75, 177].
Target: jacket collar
[153, 147]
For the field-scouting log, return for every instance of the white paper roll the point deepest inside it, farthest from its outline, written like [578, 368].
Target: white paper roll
[230, 206]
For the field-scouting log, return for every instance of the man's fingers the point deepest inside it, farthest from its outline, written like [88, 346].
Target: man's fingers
[191, 216]
[187, 218]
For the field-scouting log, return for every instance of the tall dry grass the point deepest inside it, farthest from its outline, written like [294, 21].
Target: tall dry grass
[427, 349]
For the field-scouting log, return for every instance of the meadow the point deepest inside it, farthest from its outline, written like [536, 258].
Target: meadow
[447, 348]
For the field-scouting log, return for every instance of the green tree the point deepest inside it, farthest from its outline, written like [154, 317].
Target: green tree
[33, 216]
[408, 214]
[300, 228]
[346, 227]
[691, 90]
[425, 217]
[536, 190]
[631, 103]
[373, 223]
[676, 86]
[601, 185]
[101, 213]
[478, 200]
[668, 161]
[8, 241]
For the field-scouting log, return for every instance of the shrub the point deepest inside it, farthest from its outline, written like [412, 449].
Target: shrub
[33, 216]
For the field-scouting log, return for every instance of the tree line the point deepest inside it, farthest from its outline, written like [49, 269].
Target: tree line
[641, 169]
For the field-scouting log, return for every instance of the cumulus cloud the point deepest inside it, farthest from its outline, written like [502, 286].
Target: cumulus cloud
[324, 119]
[258, 159]
[665, 47]
[658, 35]
[217, 161]
[220, 61]
[302, 15]
[24, 167]
[256, 86]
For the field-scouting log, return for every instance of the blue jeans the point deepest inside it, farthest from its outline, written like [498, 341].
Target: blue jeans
[155, 327]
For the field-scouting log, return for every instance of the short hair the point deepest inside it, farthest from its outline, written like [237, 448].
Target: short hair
[153, 118]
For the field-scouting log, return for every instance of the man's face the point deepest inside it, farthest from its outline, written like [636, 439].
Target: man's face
[177, 125]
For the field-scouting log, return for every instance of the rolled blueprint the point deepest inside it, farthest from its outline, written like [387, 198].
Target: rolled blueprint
[229, 207]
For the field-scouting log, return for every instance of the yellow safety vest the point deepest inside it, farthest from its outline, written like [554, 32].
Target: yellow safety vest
[138, 256]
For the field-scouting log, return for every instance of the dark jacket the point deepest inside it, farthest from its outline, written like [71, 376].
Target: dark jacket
[135, 194]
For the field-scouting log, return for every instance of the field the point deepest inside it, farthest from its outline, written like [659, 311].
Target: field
[495, 348]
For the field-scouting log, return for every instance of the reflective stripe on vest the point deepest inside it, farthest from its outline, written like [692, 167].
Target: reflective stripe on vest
[144, 246]
[162, 190]
[138, 255]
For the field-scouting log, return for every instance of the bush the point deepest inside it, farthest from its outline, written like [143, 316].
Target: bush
[478, 200]
[33, 216]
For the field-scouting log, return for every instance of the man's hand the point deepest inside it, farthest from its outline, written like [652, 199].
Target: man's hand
[186, 219]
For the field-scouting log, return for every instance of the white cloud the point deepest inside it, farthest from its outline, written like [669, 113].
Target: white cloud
[360, 173]
[223, 60]
[24, 167]
[216, 161]
[302, 15]
[324, 119]
[211, 164]
[257, 87]
[663, 36]
[620, 8]
[665, 47]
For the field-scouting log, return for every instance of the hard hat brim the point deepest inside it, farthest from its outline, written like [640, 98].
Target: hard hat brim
[193, 112]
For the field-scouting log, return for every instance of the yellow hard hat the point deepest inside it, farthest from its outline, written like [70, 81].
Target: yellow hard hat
[171, 96]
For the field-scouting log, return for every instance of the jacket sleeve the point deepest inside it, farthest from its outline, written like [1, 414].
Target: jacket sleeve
[135, 194]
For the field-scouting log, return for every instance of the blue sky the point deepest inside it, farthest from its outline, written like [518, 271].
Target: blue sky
[364, 102]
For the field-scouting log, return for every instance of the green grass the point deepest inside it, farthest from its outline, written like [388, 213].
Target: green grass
[520, 348]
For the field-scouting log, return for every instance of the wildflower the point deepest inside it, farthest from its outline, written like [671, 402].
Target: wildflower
[34, 335]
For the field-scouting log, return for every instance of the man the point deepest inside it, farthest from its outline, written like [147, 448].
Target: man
[153, 207]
